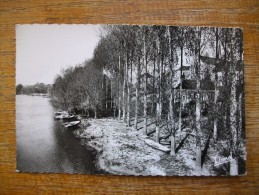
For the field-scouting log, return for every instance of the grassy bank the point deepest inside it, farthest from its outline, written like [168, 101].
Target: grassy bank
[122, 150]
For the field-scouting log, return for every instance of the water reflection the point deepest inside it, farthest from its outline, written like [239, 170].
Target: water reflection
[43, 145]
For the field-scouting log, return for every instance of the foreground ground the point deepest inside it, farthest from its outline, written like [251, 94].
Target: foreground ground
[122, 150]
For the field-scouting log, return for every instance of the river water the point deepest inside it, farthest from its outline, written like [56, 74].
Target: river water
[43, 145]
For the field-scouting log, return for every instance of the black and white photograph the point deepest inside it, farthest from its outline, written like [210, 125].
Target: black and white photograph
[141, 100]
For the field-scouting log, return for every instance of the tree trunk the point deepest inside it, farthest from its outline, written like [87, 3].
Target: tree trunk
[128, 106]
[172, 121]
[129, 96]
[233, 102]
[198, 110]
[119, 114]
[124, 89]
[226, 83]
[106, 94]
[95, 113]
[137, 96]
[158, 105]
[233, 167]
[103, 90]
[111, 103]
[157, 122]
[172, 139]
[145, 83]
[114, 109]
[215, 129]
[198, 133]
[153, 84]
[119, 94]
[180, 94]
[171, 102]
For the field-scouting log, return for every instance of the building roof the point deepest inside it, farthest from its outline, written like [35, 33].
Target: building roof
[212, 61]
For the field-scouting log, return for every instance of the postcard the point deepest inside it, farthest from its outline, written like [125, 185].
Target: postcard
[147, 100]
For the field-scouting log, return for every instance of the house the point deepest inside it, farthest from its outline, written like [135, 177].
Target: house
[207, 82]
[218, 69]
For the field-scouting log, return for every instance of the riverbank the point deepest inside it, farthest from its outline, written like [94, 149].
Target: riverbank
[122, 150]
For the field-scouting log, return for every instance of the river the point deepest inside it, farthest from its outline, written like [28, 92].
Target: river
[43, 145]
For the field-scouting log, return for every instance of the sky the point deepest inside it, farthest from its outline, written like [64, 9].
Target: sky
[43, 50]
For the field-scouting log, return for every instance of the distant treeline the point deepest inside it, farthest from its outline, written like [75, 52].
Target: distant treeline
[32, 89]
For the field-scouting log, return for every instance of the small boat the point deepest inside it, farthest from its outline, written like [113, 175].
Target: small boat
[59, 115]
[68, 118]
[71, 124]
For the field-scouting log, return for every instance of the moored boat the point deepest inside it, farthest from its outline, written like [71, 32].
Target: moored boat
[71, 124]
[59, 115]
[68, 118]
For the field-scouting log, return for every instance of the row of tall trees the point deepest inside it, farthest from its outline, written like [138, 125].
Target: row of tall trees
[136, 74]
